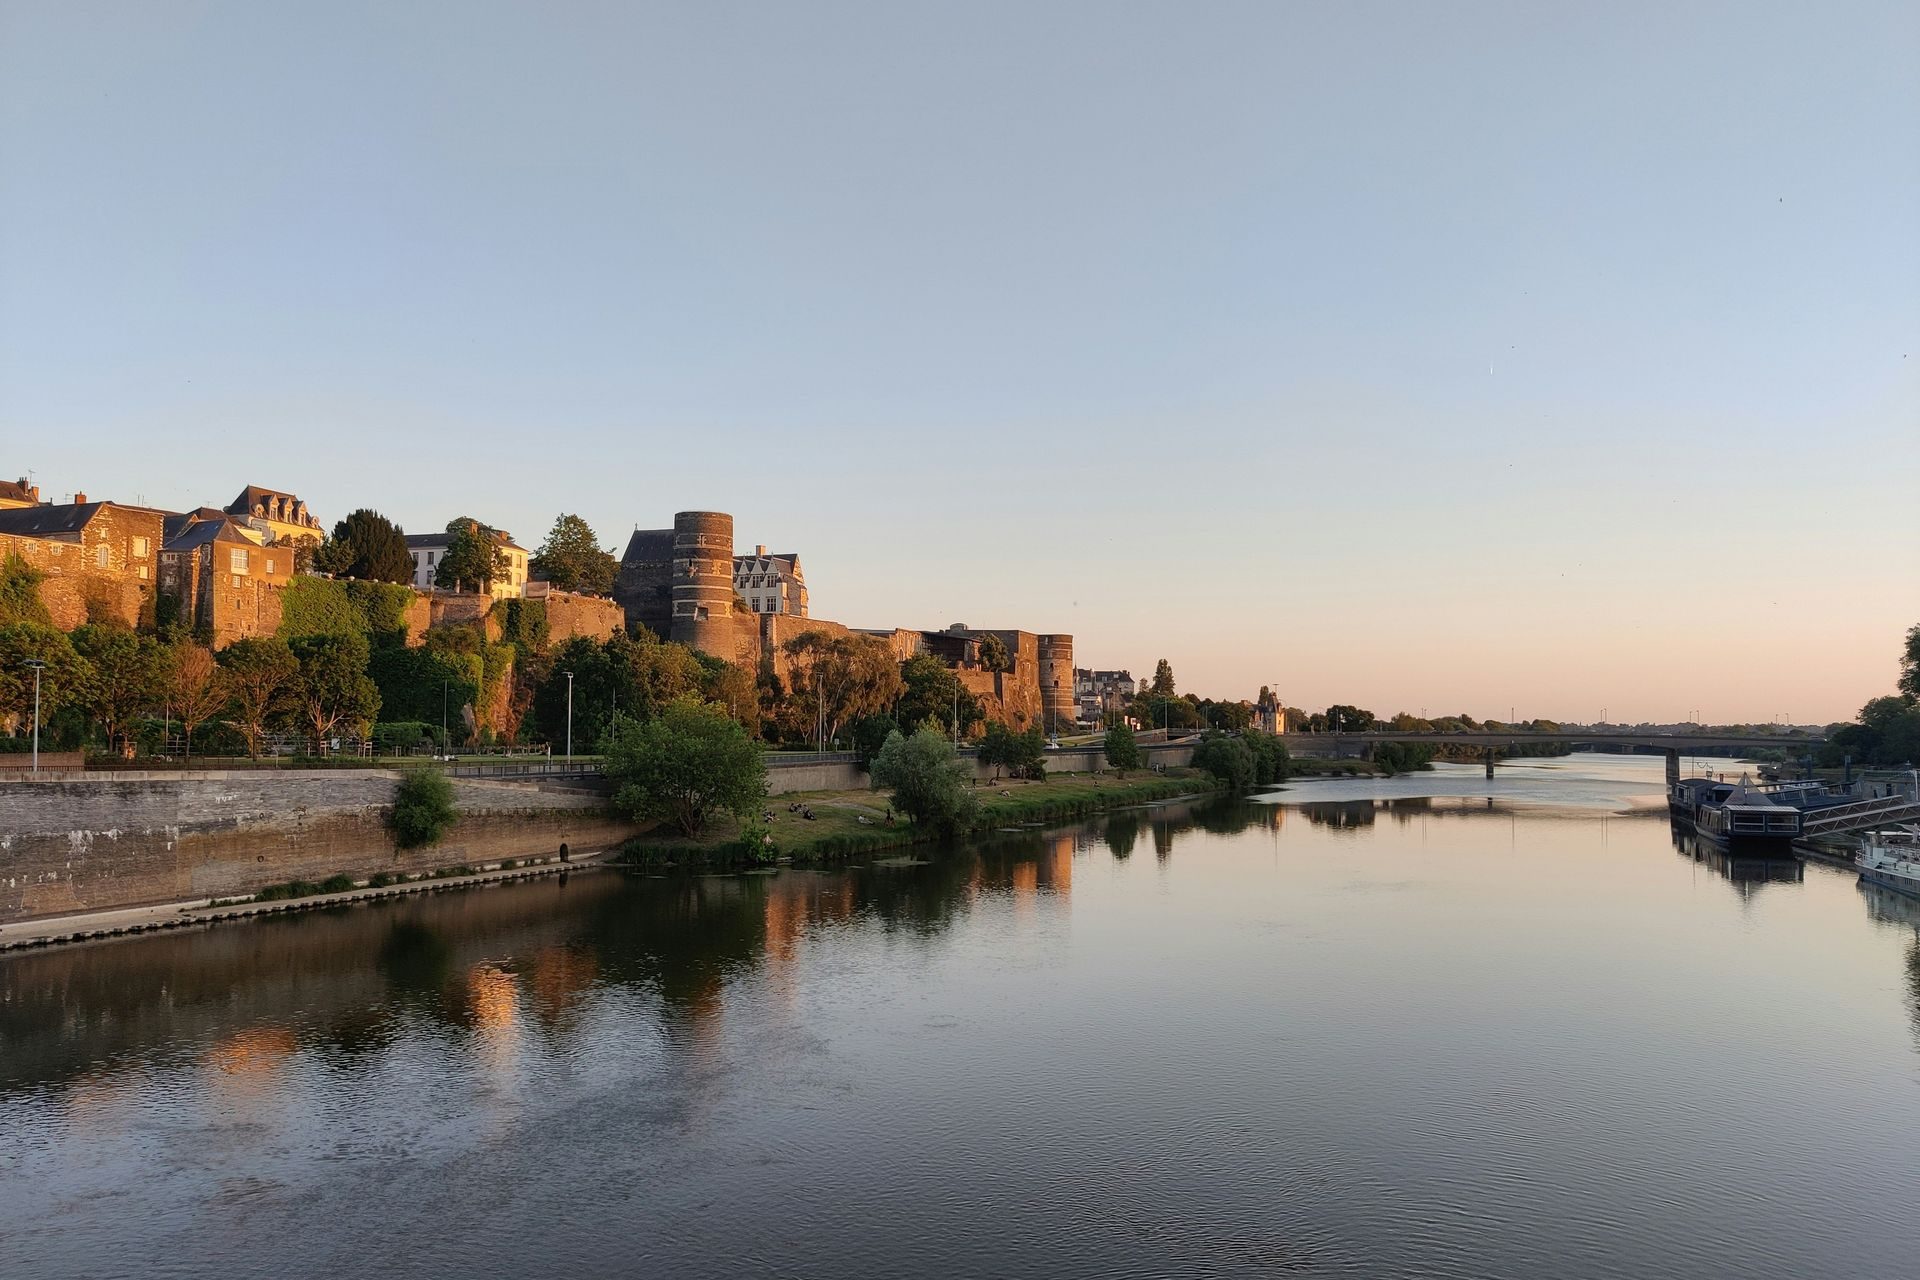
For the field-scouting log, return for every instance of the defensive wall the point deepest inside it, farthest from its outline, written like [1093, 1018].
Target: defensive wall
[87, 842]
[77, 588]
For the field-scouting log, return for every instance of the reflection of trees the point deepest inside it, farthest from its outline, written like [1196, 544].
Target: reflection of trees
[1340, 815]
[1121, 831]
[1913, 985]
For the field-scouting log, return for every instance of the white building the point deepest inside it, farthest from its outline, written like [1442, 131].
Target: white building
[771, 584]
[428, 549]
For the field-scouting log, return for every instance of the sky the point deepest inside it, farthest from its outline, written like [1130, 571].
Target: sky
[1546, 360]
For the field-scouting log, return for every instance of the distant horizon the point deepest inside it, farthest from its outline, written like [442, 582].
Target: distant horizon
[1549, 360]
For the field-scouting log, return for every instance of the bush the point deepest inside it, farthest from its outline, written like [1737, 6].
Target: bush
[338, 883]
[422, 809]
[1271, 763]
[1228, 759]
[400, 737]
[929, 783]
[1402, 757]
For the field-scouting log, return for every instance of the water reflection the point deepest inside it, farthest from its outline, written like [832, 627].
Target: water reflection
[1374, 1034]
[1747, 874]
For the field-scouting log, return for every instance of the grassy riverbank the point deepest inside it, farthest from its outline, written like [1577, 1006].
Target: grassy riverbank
[848, 824]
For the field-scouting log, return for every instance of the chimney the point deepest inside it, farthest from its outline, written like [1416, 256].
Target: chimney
[79, 499]
[761, 551]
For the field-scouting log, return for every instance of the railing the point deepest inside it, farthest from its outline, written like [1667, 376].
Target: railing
[1861, 813]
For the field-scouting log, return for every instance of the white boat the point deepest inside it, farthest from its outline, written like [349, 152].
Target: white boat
[1892, 858]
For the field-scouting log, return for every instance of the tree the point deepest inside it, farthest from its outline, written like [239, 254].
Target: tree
[572, 559]
[930, 690]
[20, 593]
[841, 678]
[258, 677]
[730, 685]
[1021, 753]
[64, 675]
[929, 782]
[332, 689]
[1123, 749]
[368, 546]
[422, 809]
[870, 733]
[193, 693]
[993, 653]
[603, 683]
[1227, 759]
[1910, 665]
[1162, 685]
[129, 677]
[1342, 718]
[688, 763]
[472, 559]
[1271, 761]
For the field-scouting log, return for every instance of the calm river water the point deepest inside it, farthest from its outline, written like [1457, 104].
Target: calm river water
[1397, 1029]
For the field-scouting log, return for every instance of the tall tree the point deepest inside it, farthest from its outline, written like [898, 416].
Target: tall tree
[368, 546]
[258, 678]
[20, 592]
[930, 784]
[993, 653]
[64, 674]
[930, 690]
[572, 559]
[1910, 665]
[688, 763]
[473, 558]
[842, 678]
[332, 689]
[193, 694]
[128, 678]
[1162, 686]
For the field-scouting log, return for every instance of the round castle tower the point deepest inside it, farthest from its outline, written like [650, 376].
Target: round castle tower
[1057, 708]
[703, 581]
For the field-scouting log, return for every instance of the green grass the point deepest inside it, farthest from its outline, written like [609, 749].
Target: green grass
[836, 833]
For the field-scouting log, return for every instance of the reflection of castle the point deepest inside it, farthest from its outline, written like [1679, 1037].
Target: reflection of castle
[686, 585]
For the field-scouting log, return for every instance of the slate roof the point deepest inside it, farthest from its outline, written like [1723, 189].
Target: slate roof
[49, 520]
[649, 546]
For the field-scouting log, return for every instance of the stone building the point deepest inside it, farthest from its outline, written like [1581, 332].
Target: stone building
[771, 583]
[679, 584]
[277, 516]
[1098, 693]
[100, 559]
[223, 579]
[18, 493]
[428, 549]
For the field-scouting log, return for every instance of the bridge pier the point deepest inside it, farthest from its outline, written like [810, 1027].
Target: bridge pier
[1492, 755]
[1673, 768]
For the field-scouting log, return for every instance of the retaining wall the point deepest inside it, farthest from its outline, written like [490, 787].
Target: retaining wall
[89, 842]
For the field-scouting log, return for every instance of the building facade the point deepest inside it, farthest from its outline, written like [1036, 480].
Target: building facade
[771, 583]
[223, 579]
[277, 516]
[101, 559]
[18, 493]
[429, 549]
[1098, 694]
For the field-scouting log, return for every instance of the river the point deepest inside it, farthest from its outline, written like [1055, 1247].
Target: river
[1427, 1026]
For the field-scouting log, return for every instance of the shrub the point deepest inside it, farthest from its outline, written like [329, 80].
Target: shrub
[1228, 759]
[422, 809]
[1123, 749]
[929, 783]
[338, 883]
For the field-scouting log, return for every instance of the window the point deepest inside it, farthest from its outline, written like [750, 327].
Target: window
[102, 556]
[140, 546]
[429, 558]
[238, 561]
[143, 573]
[269, 564]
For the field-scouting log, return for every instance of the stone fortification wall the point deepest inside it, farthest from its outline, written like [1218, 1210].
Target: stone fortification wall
[1057, 705]
[644, 585]
[463, 609]
[118, 840]
[570, 615]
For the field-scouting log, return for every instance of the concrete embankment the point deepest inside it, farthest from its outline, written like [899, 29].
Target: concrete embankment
[788, 774]
[80, 842]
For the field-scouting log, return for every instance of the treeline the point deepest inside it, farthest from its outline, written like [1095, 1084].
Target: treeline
[1886, 734]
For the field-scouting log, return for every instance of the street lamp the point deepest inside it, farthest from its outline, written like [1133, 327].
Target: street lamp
[38, 666]
[569, 717]
[443, 718]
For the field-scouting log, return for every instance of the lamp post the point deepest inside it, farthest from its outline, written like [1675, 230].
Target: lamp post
[569, 717]
[37, 665]
[443, 718]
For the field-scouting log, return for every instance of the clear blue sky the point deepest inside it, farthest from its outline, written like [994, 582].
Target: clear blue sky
[1463, 356]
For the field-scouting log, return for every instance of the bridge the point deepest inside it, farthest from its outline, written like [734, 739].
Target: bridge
[1673, 745]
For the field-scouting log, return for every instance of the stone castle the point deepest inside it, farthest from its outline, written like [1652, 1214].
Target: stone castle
[681, 584]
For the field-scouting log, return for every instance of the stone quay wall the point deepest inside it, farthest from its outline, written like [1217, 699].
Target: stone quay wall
[90, 842]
